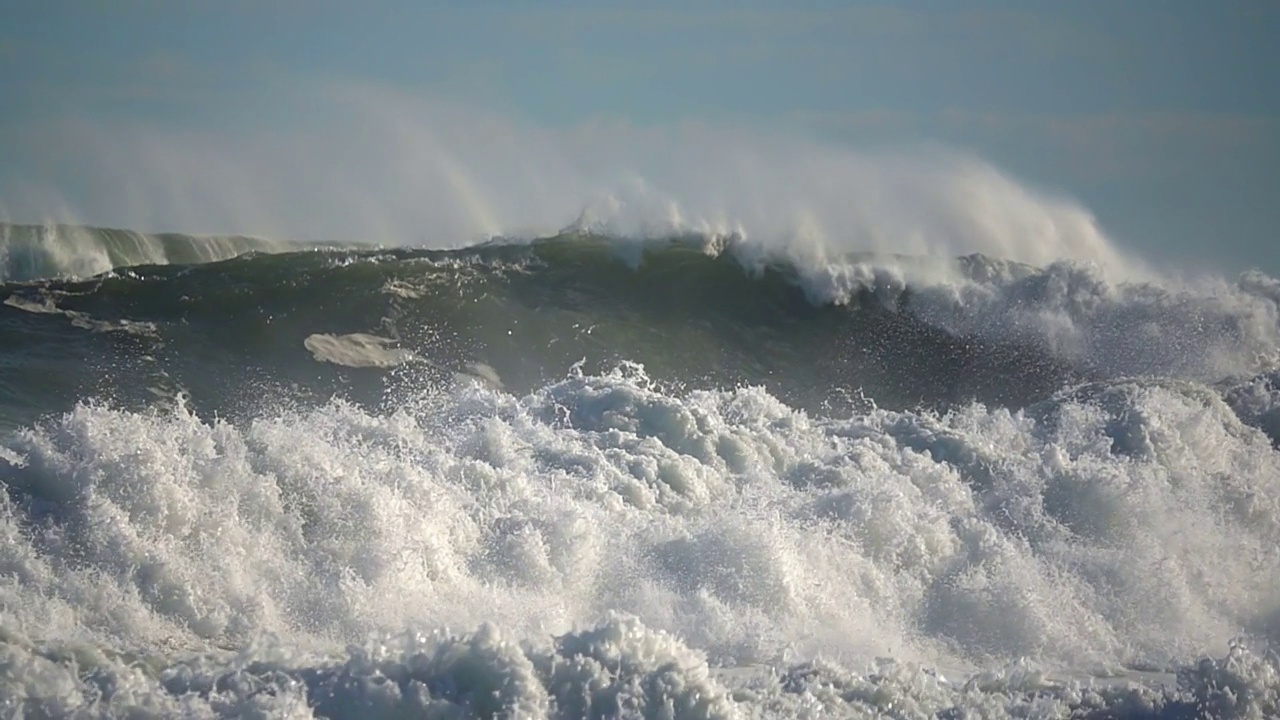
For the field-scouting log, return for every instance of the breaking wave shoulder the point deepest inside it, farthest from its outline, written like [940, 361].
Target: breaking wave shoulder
[38, 252]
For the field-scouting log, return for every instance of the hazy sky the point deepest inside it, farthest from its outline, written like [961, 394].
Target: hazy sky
[1162, 118]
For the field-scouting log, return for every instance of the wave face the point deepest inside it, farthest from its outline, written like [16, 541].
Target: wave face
[586, 476]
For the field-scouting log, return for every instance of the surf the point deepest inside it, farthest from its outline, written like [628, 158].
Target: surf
[759, 428]
[729, 529]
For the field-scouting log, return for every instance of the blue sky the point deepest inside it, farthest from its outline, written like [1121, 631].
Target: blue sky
[1163, 118]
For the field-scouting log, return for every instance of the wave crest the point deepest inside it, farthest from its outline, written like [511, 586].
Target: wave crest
[38, 252]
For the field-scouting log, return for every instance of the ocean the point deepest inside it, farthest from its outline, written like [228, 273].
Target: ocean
[591, 475]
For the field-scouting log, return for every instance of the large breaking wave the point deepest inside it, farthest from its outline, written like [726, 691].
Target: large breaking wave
[593, 476]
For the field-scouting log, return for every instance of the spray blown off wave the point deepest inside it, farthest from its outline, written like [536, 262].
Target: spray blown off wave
[682, 477]
[35, 252]
[371, 164]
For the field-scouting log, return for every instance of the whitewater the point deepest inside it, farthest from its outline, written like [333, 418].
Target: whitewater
[649, 464]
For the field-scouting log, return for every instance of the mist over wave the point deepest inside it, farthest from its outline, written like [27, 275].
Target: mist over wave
[619, 422]
[365, 163]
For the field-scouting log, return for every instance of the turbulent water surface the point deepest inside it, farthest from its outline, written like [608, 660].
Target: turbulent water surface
[588, 476]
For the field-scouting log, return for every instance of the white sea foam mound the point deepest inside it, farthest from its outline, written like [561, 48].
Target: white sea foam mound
[1123, 523]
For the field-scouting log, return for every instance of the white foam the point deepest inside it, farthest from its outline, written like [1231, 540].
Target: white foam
[483, 373]
[44, 303]
[1129, 523]
[356, 350]
[618, 669]
[1207, 330]
[1257, 402]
